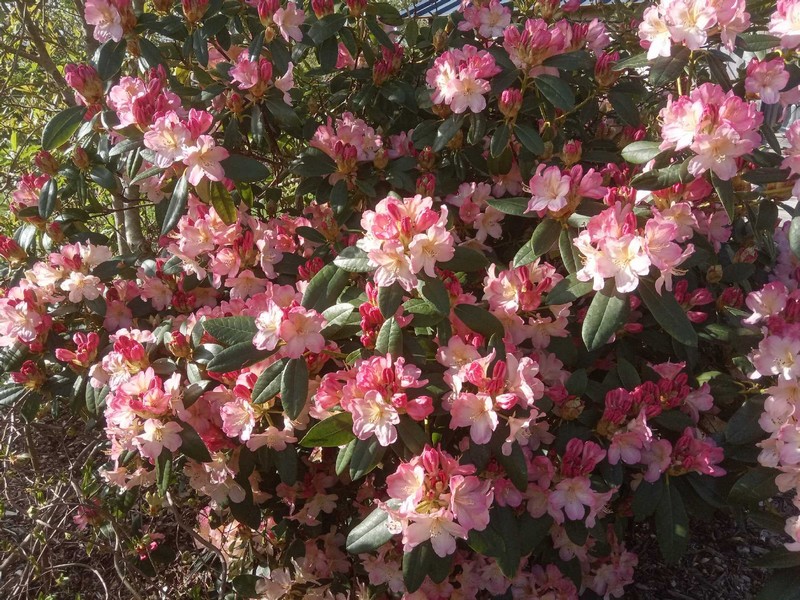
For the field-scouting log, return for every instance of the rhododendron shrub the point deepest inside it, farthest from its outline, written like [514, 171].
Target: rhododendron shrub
[421, 307]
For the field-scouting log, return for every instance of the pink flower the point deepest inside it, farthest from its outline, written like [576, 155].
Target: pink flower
[766, 78]
[549, 190]
[82, 287]
[268, 323]
[157, 436]
[106, 20]
[203, 160]
[289, 20]
[475, 411]
[571, 495]
[439, 528]
[373, 416]
[238, 419]
[785, 23]
[300, 329]
[470, 501]
[169, 138]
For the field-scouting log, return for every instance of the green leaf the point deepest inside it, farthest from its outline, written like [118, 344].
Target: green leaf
[500, 540]
[646, 498]
[109, 57]
[556, 90]
[638, 153]
[726, 195]
[334, 431]
[666, 69]
[390, 338]
[659, 179]
[543, 238]
[743, 427]
[177, 205]
[447, 130]
[294, 387]
[422, 561]
[192, 446]
[237, 357]
[244, 169]
[515, 465]
[268, 384]
[668, 313]
[390, 298]
[607, 313]
[47, 198]
[754, 486]
[637, 61]
[435, 292]
[517, 206]
[336, 317]
[344, 456]
[465, 260]
[367, 454]
[61, 127]
[370, 534]
[672, 524]
[568, 289]
[163, 470]
[286, 463]
[326, 27]
[354, 260]
[755, 42]
[104, 178]
[625, 107]
[324, 288]
[499, 140]
[570, 255]
[245, 585]
[223, 202]
[529, 137]
[480, 320]
[232, 330]
[246, 511]
[570, 61]
[411, 434]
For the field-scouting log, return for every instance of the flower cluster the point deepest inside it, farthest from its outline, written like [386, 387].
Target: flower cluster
[405, 237]
[718, 127]
[459, 79]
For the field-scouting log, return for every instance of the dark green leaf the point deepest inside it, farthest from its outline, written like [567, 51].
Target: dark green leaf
[336, 317]
[334, 431]
[370, 534]
[163, 470]
[666, 69]
[177, 205]
[367, 454]
[646, 498]
[499, 140]
[625, 107]
[294, 387]
[567, 290]
[529, 137]
[556, 90]
[446, 131]
[672, 524]
[726, 195]
[465, 260]
[244, 169]
[47, 198]
[390, 338]
[607, 313]
[389, 299]
[326, 27]
[480, 320]
[435, 292]
[232, 330]
[223, 202]
[237, 357]
[794, 236]
[268, 384]
[778, 559]
[192, 446]
[543, 238]
[754, 486]
[109, 57]
[354, 260]
[517, 206]
[668, 313]
[324, 288]
[422, 561]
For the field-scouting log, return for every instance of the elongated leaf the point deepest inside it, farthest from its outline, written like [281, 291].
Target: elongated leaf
[367, 454]
[354, 260]
[192, 446]
[568, 289]
[529, 137]
[557, 91]
[232, 330]
[639, 153]
[423, 562]
[268, 384]
[499, 140]
[326, 27]
[543, 238]
[480, 320]
[294, 387]
[668, 313]
[237, 357]
[61, 127]
[434, 291]
[390, 298]
[666, 69]
[244, 169]
[754, 486]
[672, 524]
[163, 470]
[794, 236]
[332, 432]
[390, 338]
[177, 205]
[465, 260]
[500, 540]
[783, 585]
[336, 317]
[47, 198]
[517, 206]
[324, 288]
[109, 58]
[726, 195]
[607, 313]
[447, 130]
[223, 202]
[370, 534]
